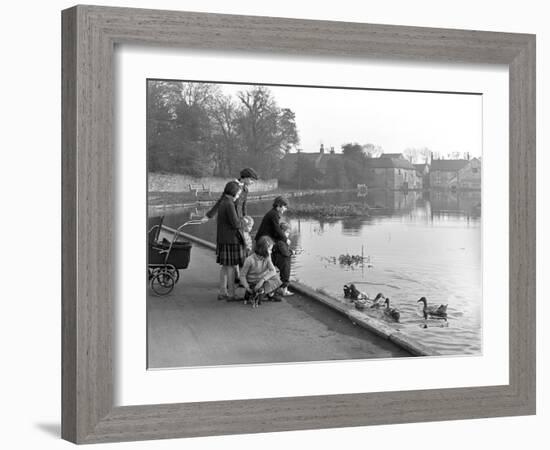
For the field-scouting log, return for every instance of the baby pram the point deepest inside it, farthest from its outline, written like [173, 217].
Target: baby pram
[166, 257]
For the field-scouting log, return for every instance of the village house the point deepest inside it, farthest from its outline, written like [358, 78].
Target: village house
[469, 177]
[319, 160]
[392, 171]
[456, 173]
[389, 170]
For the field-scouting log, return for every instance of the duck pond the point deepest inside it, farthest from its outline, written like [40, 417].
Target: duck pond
[406, 245]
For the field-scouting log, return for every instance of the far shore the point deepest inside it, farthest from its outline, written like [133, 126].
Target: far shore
[162, 200]
[158, 202]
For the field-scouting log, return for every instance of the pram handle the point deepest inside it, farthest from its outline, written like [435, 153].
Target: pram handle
[189, 222]
[176, 234]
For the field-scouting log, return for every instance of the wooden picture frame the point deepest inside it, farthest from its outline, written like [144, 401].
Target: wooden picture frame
[90, 34]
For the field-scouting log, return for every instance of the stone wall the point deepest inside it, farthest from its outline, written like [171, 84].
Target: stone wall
[161, 182]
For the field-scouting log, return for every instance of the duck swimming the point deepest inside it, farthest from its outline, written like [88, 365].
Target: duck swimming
[392, 313]
[439, 312]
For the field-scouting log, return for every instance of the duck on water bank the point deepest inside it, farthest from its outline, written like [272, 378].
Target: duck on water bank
[350, 291]
[434, 311]
[361, 299]
[378, 301]
[361, 304]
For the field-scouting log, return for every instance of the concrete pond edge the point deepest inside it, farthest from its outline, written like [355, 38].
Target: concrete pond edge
[371, 324]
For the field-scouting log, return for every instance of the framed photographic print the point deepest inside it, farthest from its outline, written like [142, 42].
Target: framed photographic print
[256, 209]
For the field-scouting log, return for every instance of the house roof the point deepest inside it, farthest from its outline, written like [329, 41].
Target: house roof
[389, 163]
[392, 155]
[319, 159]
[448, 165]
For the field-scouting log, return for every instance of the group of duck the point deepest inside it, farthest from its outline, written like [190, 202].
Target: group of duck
[362, 300]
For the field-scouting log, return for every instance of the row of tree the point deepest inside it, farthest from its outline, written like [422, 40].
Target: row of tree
[195, 129]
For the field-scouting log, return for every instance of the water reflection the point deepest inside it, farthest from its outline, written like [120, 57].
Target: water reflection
[466, 203]
[352, 226]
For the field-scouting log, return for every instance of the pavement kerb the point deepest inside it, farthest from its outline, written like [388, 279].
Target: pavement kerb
[196, 240]
[371, 324]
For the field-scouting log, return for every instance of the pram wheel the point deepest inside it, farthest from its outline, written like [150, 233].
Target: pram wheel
[162, 282]
[175, 274]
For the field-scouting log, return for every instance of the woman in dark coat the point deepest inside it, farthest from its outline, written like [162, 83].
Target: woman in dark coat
[230, 251]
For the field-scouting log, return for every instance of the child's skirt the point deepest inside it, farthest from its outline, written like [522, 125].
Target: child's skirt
[230, 254]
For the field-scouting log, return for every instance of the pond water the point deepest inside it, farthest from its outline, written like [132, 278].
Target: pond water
[415, 245]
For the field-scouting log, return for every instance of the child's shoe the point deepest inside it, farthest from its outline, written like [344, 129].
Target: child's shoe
[274, 298]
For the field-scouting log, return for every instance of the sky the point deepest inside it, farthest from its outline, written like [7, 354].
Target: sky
[395, 121]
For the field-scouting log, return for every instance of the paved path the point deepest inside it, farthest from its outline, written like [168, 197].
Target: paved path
[190, 327]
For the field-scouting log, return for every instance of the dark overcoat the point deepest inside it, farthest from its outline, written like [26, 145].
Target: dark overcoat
[228, 224]
[270, 226]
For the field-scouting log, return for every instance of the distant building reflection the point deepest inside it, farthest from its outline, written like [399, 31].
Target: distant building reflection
[425, 204]
[352, 226]
[392, 200]
[466, 203]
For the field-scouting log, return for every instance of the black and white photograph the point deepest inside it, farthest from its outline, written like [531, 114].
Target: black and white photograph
[293, 224]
